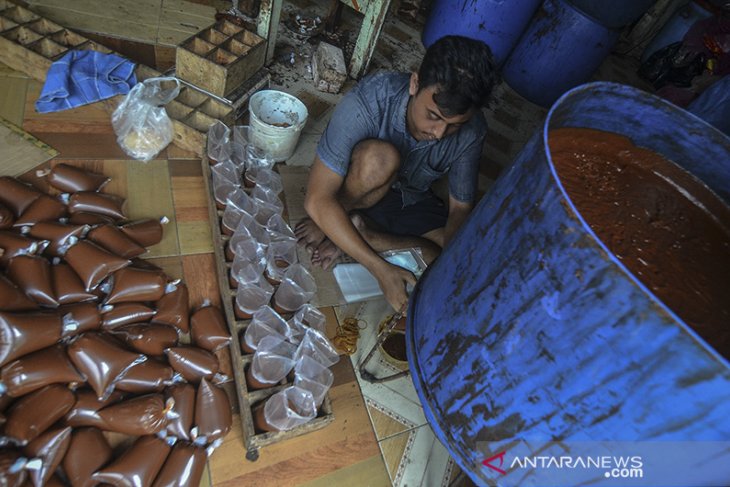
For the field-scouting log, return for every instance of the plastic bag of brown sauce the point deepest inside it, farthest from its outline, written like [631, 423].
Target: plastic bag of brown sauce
[38, 369]
[33, 275]
[49, 448]
[92, 263]
[102, 360]
[87, 453]
[13, 299]
[70, 179]
[209, 329]
[212, 413]
[15, 195]
[138, 465]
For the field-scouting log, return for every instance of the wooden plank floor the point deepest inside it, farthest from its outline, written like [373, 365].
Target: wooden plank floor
[344, 453]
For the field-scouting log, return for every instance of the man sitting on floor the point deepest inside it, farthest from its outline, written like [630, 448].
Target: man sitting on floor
[389, 139]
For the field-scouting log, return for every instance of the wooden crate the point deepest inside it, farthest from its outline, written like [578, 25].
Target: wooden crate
[220, 58]
[252, 439]
[237, 101]
[30, 43]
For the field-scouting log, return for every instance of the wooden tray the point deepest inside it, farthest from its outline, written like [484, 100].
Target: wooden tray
[247, 399]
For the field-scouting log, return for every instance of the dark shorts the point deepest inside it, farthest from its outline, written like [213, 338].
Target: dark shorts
[421, 217]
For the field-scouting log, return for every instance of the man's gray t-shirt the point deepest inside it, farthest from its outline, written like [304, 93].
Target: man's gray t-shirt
[376, 109]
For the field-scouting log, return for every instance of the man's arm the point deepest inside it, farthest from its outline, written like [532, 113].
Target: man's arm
[458, 211]
[331, 217]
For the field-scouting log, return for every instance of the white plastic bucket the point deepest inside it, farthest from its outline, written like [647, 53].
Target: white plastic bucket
[277, 119]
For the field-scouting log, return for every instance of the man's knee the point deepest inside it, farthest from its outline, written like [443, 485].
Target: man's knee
[375, 162]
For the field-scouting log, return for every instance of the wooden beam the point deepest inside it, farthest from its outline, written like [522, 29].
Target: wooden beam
[372, 24]
[268, 25]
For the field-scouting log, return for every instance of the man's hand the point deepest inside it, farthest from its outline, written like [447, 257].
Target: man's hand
[393, 281]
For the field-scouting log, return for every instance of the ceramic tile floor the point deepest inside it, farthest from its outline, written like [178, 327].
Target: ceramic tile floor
[412, 453]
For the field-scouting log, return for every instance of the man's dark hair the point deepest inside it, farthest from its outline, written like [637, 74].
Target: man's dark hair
[464, 71]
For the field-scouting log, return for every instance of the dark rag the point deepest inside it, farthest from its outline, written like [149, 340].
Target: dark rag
[83, 77]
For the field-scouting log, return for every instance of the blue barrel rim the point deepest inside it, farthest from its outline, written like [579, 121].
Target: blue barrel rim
[440, 428]
[621, 88]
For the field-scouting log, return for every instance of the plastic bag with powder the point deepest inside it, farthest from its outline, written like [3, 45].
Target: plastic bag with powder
[141, 123]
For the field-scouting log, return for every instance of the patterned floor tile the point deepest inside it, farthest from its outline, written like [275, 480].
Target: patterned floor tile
[394, 451]
[426, 463]
[386, 422]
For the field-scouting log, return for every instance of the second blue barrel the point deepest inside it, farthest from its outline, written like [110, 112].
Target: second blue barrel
[499, 23]
[528, 328]
[561, 48]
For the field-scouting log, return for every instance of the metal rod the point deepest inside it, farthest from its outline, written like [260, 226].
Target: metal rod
[384, 333]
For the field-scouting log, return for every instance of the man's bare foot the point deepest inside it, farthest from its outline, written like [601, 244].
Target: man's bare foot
[327, 252]
[309, 234]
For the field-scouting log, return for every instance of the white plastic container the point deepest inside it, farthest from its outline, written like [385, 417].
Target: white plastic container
[277, 119]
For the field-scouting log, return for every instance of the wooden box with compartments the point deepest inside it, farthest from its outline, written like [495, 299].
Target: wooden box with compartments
[220, 58]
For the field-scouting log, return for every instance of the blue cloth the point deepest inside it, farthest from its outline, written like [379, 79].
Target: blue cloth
[83, 77]
[376, 109]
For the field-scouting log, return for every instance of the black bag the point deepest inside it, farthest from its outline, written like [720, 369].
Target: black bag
[674, 64]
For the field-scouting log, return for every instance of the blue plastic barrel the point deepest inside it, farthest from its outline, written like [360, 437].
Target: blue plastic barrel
[561, 48]
[676, 27]
[528, 327]
[614, 14]
[498, 23]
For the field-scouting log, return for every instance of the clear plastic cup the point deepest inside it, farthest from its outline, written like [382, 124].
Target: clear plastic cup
[228, 171]
[238, 202]
[273, 360]
[225, 181]
[221, 189]
[279, 229]
[265, 177]
[251, 297]
[248, 226]
[239, 144]
[266, 211]
[286, 410]
[296, 289]
[247, 247]
[263, 193]
[306, 317]
[314, 377]
[244, 271]
[257, 158]
[280, 255]
[317, 346]
[264, 322]
[219, 142]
